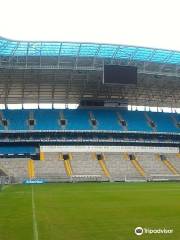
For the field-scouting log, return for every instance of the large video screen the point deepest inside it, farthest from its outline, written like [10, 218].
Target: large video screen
[117, 74]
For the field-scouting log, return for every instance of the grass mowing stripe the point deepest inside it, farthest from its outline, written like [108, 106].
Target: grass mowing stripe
[4, 187]
[35, 229]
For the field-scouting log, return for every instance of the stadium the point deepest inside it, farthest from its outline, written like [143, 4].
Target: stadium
[89, 140]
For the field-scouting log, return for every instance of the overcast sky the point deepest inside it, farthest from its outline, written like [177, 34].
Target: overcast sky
[151, 23]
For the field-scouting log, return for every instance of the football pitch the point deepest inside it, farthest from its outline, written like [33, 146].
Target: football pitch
[89, 211]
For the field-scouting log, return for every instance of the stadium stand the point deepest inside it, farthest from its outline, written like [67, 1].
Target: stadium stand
[109, 139]
[118, 166]
[80, 119]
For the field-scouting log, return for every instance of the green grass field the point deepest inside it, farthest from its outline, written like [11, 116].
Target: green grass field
[89, 211]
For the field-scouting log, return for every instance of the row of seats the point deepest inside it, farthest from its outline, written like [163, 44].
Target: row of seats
[84, 119]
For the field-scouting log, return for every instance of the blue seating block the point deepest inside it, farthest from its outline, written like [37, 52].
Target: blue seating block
[46, 119]
[163, 121]
[136, 121]
[17, 119]
[79, 119]
[17, 150]
[107, 120]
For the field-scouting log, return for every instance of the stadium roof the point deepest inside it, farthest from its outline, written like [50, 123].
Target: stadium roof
[67, 72]
[10, 48]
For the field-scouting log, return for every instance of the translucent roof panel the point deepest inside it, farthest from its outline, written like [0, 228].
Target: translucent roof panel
[143, 54]
[74, 49]
[107, 51]
[89, 50]
[50, 49]
[69, 49]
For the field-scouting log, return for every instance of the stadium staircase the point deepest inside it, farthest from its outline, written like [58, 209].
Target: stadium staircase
[138, 167]
[93, 121]
[171, 167]
[136, 164]
[122, 122]
[63, 121]
[175, 121]
[1, 121]
[41, 155]
[175, 160]
[150, 122]
[168, 164]
[100, 158]
[68, 168]
[31, 169]
[3, 172]
[31, 120]
[67, 164]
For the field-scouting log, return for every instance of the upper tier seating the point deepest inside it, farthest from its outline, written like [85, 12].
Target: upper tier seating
[77, 119]
[46, 119]
[136, 121]
[163, 121]
[107, 120]
[17, 119]
[80, 119]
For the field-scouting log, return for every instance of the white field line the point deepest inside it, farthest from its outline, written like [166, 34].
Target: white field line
[35, 229]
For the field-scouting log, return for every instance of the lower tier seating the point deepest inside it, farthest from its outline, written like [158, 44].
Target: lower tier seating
[120, 166]
[16, 167]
